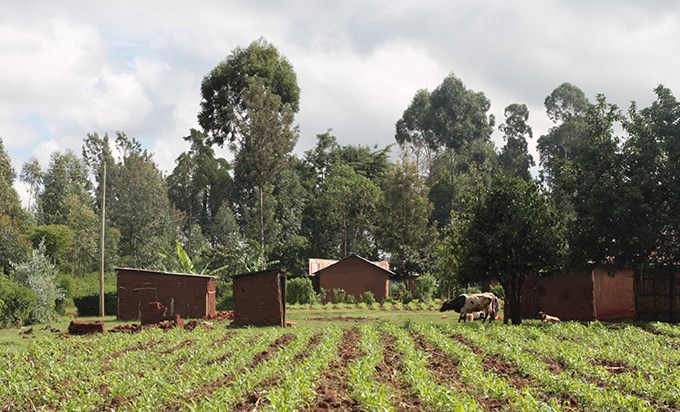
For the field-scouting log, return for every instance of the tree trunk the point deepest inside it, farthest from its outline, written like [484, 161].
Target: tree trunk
[261, 217]
[507, 308]
[516, 314]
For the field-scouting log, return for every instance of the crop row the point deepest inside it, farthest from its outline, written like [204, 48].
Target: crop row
[460, 367]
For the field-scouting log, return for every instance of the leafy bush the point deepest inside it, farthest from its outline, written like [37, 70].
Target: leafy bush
[225, 293]
[498, 291]
[87, 284]
[323, 296]
[338, 296]
[426, 287]
[406, 297]
[89, 305]
[367, 297]
[56, 240]
[469, 289]
[300, 290]
[17, 302]
[41, 277]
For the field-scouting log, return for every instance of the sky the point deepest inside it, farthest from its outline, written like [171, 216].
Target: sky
[71, 67]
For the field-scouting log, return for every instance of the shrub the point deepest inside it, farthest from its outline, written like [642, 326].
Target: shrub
[338, 296]
[300, 290]
[41, 277]
[406, 297]
[350, 299]
[17, 302]
[471, 289]
[89, 305]
[225, 293]
[367, 297]
[426, 287]
[86, 284]
[498, 291]
[398, 290]
[323, 296]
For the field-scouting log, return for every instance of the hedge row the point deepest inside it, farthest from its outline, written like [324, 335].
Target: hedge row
[88, 305]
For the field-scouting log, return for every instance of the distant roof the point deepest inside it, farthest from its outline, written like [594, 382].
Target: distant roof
[382, 265]
[316, 265]
[160, 272]
[259, 272]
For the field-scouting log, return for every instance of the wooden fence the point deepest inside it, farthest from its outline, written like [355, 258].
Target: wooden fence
[657, 297]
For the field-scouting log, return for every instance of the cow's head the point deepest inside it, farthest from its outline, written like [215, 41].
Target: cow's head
[455, 304]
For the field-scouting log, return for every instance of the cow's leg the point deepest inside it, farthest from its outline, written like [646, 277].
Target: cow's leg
[462, 317]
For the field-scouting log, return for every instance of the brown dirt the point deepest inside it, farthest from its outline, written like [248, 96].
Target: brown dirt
[206, 390]
[343, 319]
[177, 347]
[446, 370]
[510, 373]
[253, 399]
[613, 366]
[332, 392]
[136, 347]
[389, 372]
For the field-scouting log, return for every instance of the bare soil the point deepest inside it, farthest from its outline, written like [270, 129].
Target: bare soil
[343, 319]
[332, 392]
[254, 398]
[510, 373]
[206, 390]
[390, 372]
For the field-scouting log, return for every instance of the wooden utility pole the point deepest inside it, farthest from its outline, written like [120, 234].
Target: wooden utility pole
[101, 242]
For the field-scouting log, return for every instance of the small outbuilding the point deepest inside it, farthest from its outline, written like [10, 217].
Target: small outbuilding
[187, 295]
[260, 298]
[590, 294]
[355, 275]
[657, 297]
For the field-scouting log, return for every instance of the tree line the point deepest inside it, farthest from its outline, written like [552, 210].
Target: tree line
[603, 191]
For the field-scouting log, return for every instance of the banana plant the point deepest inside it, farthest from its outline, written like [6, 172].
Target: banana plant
[181, 262]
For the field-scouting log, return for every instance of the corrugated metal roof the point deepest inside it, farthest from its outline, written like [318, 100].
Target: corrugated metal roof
[160, 272]
[259, 272]
[382, 265]
[316, 264]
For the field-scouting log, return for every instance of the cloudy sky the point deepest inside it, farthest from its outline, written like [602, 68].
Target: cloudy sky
[69, 68]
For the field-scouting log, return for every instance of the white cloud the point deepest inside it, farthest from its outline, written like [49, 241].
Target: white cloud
[69, 68]
[361, 96]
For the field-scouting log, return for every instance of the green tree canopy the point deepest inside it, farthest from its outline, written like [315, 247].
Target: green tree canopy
[596, 232]
[65, 176]
[403, 229]
[13, 245]
[511, 231]
[652, 191]
[567, 106]
[223, 105]
[347, 207]
[139, 206]
[515, 158]
[199, 184]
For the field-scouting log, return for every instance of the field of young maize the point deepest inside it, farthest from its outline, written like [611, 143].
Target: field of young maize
[357, 365]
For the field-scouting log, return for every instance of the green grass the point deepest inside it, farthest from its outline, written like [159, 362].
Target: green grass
[303, 316]
[13, 339]
[392, 358]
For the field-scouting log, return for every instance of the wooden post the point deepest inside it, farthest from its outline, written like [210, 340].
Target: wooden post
[101, 241]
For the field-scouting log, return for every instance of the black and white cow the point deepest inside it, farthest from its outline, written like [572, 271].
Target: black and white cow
[473, 302]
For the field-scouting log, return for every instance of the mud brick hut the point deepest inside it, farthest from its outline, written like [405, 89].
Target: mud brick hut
[187, 295]
[355, 275]
[590, 294]
[260, 298]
